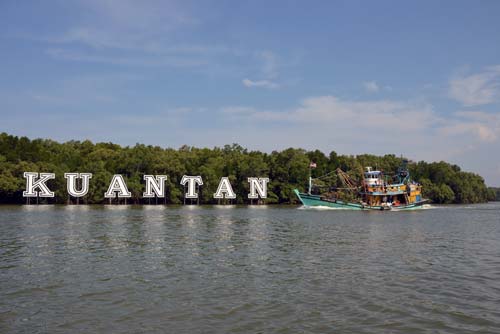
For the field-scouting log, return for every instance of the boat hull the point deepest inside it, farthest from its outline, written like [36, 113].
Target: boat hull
[310, 200]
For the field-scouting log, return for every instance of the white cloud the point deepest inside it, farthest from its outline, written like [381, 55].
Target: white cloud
[371, 86]
[268, 71]
[411, 128]
[142, 60]
[260, 83]
[238, 110]
[476, 89]
[330, 111]
[482, 126]
[146, 33]
[96, 90]
[126, 23]
[134, 33]
[155, 33]
[269, 64]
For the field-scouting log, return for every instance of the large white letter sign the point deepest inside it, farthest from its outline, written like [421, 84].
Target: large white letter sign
[191, 181]
[154, 184]
[258, 185]
[71, 183]
[31, 184]
[117, 185]
[224, 188]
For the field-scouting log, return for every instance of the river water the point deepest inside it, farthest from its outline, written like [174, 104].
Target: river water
[218, 269]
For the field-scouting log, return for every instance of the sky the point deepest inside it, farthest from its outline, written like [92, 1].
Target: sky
[419, 79]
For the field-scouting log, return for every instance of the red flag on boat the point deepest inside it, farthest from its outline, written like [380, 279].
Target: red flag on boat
[312, 165]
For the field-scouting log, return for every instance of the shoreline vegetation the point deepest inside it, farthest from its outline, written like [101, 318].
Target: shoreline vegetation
[442, 182]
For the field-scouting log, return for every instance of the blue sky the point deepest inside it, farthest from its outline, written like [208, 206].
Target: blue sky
[420, 79]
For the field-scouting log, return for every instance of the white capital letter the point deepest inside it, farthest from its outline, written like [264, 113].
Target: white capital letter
[224, 188]
[71, 183]
[191, 181]
[31, 184]
[156, 184]
[258, 185]
[117, 185]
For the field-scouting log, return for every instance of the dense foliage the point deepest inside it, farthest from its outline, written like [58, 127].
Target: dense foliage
[496, 192]
[288, 169]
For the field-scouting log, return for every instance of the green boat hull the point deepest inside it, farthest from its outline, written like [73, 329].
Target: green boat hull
[310, 200]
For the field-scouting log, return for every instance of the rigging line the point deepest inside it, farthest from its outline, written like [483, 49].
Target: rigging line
[320, 177]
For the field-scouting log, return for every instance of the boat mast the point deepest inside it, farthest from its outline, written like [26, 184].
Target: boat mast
[311, 166]
[310, 181]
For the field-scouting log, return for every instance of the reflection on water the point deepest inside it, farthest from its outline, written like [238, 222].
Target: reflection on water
[195, 269]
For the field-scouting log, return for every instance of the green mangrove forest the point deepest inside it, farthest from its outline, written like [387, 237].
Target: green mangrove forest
[287, 169]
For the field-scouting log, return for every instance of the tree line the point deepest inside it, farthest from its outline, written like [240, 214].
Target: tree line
[496, 192]
[287, 169]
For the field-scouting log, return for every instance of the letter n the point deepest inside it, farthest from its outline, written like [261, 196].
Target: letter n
[258, 185]
[154, 184]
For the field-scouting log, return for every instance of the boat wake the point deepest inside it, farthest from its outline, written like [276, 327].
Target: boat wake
[328, 208]
[322, 207]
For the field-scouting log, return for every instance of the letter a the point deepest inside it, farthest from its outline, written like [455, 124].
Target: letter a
[224, 188]
[117, 185]
[31, 184]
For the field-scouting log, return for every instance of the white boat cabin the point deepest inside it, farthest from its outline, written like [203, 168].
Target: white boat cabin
[373, 177]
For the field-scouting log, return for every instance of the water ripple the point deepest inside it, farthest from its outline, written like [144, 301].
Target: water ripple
[129, 269]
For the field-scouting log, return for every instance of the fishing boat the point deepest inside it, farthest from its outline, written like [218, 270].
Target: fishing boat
[376, 192]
